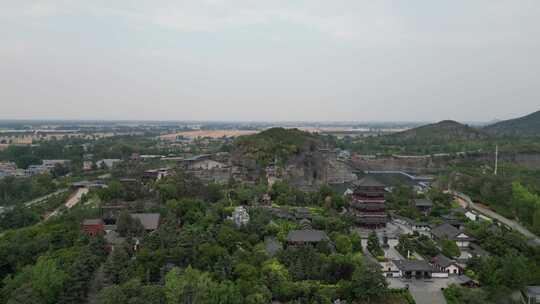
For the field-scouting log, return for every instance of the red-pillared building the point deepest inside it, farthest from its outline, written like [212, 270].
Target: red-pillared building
[368, 203]
[93, 227]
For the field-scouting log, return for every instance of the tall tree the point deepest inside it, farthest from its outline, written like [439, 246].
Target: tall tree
[373, 246]
[188, 287]
[368, 284]
[115, 265]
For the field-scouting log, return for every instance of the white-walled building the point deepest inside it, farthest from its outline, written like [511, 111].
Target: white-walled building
[446, 265]
[447, 231]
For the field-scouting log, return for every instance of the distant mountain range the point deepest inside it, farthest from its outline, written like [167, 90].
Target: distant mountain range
[449, 130]
[446, 130]
[528, 125]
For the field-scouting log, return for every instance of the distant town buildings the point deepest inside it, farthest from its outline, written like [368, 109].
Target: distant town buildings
[8, 166]
[207, 168]
[10, 169]
[51, 163]
[87, 165]
[107, 163]
[156, 174]
[343, 155]
[202, 162]
[46, 166]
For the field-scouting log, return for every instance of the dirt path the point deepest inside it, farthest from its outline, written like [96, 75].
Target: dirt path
[73, 200]
[76, 197]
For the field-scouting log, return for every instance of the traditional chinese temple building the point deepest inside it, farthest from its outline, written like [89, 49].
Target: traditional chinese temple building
[368, 203]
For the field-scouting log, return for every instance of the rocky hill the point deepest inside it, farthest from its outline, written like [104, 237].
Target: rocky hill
[528, 125]
[276, 144]
[302, 158]
[443, 131]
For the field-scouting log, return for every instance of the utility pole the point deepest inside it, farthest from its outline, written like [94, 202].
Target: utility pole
[496, 158]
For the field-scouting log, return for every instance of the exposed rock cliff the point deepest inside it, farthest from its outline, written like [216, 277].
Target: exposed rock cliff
[302, 158]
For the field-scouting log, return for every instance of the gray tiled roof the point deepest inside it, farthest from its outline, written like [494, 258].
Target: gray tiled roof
[423, 202]
[413, 265]
[372, 220]
[150, 221]
[445, 230]
[368, 206]
[369, 181]
[442, 261]
[306, 236]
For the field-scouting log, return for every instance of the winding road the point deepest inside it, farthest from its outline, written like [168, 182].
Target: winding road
[466, 201]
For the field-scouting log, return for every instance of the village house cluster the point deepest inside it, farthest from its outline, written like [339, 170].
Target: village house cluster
[47, 165]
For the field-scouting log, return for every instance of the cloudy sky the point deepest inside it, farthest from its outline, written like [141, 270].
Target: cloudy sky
[316, 60]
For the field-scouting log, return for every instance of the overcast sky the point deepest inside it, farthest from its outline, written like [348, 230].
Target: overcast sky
[315, 60]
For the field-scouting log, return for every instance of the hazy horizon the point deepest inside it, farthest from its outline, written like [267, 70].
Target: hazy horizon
[269, 61]
[284, 122]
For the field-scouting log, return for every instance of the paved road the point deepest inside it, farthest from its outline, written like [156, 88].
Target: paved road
[423, 292]
[76, 197]
[510, 223]
[490, 213]
[73, 200]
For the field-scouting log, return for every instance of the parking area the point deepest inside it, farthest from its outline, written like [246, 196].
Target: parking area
[424, 291]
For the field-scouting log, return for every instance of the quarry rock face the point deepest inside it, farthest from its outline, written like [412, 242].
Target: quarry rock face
[308, 169]
[432, 163]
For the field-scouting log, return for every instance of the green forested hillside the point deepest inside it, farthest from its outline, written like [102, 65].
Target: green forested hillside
[442, 131]
[277, 143]
[523, 126]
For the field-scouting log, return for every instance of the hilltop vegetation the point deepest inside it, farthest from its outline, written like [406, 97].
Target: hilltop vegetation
[528, 125]
[512, 193]
[448, 136]
[446, 130]
[196, 255]
[277, 143]
[17, 190]
[443, 137]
